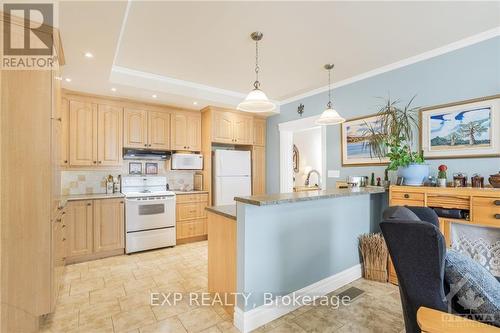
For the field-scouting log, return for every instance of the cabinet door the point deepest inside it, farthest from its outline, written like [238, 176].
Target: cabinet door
[222, 127]
[64, 132]
[79, 228]
[108, 225]
[135, 127]
[109, 135]
[259, 132]
[258, 170]
[179, 133]
[158, 130]
[242, 129]
[193, 132]
[82, 133]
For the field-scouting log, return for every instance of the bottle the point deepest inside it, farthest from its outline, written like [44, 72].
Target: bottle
[109, 185]
[372, 180]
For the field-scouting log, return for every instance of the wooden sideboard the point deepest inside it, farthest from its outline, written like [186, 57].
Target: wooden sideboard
[483, 205]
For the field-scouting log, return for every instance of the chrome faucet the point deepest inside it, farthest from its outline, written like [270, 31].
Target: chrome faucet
[309, 178]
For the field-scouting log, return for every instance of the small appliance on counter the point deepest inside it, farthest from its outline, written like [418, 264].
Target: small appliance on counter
[182, 161]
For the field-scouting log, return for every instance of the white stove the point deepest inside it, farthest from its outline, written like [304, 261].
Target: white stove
[149, 213]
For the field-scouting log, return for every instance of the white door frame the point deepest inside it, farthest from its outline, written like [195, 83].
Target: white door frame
[286, 130]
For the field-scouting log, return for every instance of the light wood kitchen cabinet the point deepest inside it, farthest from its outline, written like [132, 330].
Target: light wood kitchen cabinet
[135, 128]
[95, 229]
[95, 134]
[79, 228]
[59, 226]
[258, 170]
[64, 132]
[222, 127]
[82, 133]
[158, 130]
[191, 217]
[186, 131]
[232, 128]
[109, 135]
[108, 225]
[259, 131]
[242, 129]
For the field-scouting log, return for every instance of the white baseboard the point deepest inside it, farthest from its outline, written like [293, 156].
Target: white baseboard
[247, 321]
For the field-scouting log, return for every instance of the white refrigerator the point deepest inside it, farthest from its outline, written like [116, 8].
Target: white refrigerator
[233, 175]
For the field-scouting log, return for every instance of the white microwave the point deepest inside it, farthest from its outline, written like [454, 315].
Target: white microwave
[187, 162]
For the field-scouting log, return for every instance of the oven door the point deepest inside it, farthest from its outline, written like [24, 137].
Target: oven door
[149, 213]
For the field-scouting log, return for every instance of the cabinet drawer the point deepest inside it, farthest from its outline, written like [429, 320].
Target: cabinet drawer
[407, 202]
[407, 196]
[486, 211]
[182, 198]
[189, 211]
[191, 228]
[450, 202]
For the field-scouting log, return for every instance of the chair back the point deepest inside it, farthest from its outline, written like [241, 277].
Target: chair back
[417, 250]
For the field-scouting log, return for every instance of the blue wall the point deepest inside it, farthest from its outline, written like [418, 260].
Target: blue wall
[463, 74]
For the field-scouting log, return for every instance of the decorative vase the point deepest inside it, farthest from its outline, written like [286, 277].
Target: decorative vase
[442, 182]
[414, 174]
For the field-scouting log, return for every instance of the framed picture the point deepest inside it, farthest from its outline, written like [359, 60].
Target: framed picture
[460, 130]
[354, 144]
[135, 168]
[151, 168]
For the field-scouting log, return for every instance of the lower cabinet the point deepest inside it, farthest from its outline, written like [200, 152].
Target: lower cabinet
[58, 254]
[191, 217]
[95, 229]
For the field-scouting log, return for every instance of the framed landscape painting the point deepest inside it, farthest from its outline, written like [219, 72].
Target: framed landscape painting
[460, 130]
[354, 137]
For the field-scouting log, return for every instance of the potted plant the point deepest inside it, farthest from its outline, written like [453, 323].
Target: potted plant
[442, 175]
[393, 137]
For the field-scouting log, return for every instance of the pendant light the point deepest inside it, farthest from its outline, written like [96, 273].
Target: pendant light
[329, 116]
[256, 101]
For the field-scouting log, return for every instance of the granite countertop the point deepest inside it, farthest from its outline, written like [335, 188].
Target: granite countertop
[228, 211]
[177, 192]
[276, 199]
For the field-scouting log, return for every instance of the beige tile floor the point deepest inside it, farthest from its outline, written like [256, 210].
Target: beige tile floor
[113, 295]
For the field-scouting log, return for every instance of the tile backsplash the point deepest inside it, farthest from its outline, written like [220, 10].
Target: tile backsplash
[76, 182]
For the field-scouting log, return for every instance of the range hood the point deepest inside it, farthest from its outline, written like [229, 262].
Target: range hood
[145, 154]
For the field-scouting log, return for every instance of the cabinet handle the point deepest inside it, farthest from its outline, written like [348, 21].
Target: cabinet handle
[58, 220]
[100, 162]
[497, 202]
[63, 239]
[95, 162]
[497, 216]
[58, 119]
[89, 204]
[145, 145]
[65, 161]
[406, 195]
[121, 202]
[63, 226]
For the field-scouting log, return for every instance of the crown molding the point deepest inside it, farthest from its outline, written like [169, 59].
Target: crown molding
[488, 34]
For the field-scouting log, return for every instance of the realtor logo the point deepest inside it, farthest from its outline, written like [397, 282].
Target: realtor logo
[33, 31]
[28, 42]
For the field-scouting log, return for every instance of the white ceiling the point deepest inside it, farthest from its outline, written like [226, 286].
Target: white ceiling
[201, 51]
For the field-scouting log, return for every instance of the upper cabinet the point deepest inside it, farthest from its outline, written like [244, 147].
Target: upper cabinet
[232, 128]
[82, 133]
[259, 131]
[109, 135]
[158, 130]
[135, 128]
[146, 129]
[186, 131]
[95, 134]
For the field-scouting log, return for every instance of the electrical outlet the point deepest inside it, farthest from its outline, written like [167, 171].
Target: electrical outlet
[333, 173]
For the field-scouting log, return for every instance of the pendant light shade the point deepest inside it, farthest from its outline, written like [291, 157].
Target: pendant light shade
[256, 101]
[329, 116]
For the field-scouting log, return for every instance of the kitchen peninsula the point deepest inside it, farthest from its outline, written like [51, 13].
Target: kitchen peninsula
[304, 242]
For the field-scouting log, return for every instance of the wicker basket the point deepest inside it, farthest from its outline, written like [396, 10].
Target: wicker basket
[374, 252]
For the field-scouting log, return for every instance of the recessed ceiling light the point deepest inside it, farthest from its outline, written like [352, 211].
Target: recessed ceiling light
[88, 55]
[113, 89]
[195, 103]
[67, 79]
[154, 96]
